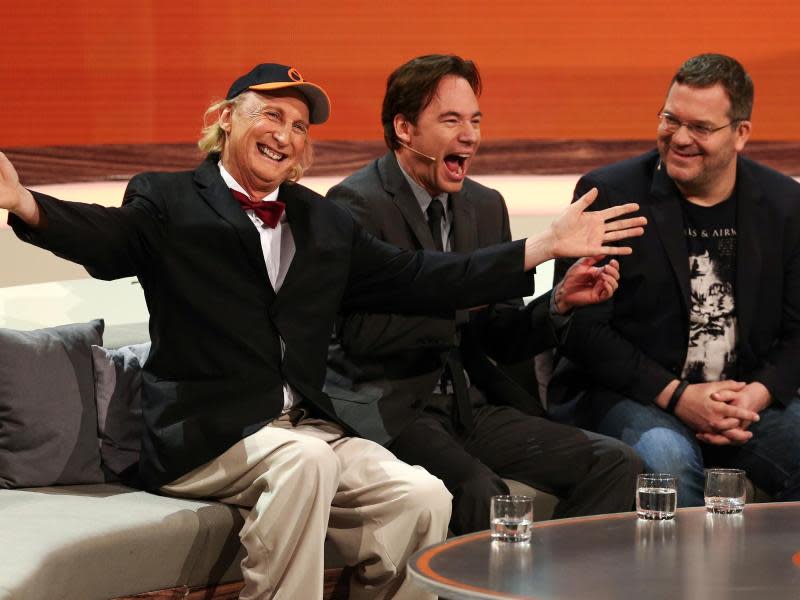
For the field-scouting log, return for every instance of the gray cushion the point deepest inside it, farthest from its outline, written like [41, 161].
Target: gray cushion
[48, 419]
[118, 383]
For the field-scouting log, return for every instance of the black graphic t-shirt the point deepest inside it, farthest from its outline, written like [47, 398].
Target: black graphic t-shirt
[711, 240]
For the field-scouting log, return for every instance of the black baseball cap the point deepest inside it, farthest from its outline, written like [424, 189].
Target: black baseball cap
[271, 76]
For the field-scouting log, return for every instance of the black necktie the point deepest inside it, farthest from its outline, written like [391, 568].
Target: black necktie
[435, 213]
[453, 369]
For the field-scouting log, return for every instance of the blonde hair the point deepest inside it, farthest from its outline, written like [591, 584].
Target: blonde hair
[213, 136]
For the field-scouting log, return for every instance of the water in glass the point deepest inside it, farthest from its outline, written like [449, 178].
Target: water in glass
[511, 530]
[656, 503]
[724, 505]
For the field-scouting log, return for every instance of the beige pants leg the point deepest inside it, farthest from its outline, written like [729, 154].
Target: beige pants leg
[290, 475]
[383, 512]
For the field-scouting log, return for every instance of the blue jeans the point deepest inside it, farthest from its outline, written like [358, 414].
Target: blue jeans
[771, 458]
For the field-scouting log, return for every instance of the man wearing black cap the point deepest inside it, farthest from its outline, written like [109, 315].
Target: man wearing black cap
[243, 272]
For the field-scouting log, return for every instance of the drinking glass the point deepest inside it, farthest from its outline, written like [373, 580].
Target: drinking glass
[656, 496]
[511, 518]
[725, 491]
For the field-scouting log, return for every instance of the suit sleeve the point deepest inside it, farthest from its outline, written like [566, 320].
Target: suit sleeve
[509, 331]
[594, 344]
[109, 242]
[778, 368]
[371, 334]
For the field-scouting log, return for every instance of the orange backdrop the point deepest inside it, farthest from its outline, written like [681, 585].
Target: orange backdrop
[112, 71]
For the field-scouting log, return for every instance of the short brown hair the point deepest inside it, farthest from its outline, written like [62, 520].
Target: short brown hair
[706, 70]
[410, 88]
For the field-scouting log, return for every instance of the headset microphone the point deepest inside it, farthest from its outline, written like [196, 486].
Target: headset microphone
[430, 158]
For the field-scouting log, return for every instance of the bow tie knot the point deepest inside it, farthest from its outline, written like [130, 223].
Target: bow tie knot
[269, 212]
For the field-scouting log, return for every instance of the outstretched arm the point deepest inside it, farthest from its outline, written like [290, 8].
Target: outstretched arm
[15, 198]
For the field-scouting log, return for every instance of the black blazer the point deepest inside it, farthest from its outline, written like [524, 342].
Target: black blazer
[637, 342]
[215, 372]
[382, 368]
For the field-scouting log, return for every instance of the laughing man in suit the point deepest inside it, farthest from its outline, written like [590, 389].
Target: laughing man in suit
[427, 386]
[243, 272]
[695, 362]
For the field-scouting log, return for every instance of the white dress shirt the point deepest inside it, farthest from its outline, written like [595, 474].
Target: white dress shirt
[424, 199]
[278, 248]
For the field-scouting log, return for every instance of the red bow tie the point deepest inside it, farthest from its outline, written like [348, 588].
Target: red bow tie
[269, 212]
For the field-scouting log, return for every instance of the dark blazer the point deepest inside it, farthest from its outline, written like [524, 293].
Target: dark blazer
[382, 368]
[215, 372]
[637, 342]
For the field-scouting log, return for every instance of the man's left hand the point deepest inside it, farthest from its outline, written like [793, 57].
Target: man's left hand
[577, 232]
[584, 283]
[754, 396]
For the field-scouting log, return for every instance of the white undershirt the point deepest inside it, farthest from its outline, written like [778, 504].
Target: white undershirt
[278, 248]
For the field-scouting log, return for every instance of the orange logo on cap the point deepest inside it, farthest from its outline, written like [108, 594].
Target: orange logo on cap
[294, 75]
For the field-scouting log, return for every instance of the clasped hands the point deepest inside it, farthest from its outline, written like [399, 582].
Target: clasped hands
[721, 412]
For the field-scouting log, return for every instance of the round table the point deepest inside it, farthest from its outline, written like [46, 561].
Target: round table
[700, 555]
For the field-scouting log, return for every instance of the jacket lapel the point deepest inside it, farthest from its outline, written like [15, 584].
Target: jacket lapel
[465, 223]
[395, 184]
[668, 222]
[298, 216]
[748, 247]
[216, 194]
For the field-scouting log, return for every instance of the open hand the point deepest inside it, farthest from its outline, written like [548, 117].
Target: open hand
[576, 232]
[14, 197]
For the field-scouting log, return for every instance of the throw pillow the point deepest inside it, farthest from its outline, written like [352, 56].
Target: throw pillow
[48, 419]
[118, 383]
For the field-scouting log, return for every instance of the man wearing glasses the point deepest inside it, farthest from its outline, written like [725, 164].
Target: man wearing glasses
[696, 360]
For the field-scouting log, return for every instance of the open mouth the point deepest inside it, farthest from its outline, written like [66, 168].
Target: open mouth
[456, 164]
[270, 153]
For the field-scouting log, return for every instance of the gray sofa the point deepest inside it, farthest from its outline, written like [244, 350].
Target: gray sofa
[77, 533]
[95, 538]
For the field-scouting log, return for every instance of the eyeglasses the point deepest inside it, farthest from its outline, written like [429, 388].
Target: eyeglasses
[670, 124]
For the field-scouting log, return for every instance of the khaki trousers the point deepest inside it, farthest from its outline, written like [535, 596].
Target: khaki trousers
[301, 478]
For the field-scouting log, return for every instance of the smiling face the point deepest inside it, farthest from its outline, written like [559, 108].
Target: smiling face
[447, 130]
[265, 139]
[702, 169]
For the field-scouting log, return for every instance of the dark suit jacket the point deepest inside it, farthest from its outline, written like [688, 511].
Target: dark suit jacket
[215, 372]
[637, 342]
[382, 368]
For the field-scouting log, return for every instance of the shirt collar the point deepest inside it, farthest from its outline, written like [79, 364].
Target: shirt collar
[234, 185]
[423, 197]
